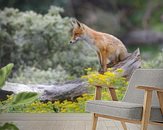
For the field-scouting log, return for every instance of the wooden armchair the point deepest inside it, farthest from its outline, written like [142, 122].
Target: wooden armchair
[138, 107]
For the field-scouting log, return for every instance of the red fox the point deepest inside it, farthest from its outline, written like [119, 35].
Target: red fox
[110, 50]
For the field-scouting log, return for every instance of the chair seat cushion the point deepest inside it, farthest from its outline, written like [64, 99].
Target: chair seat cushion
[120, 109]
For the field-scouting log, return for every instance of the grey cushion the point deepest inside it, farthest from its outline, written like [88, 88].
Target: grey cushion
[125, 110]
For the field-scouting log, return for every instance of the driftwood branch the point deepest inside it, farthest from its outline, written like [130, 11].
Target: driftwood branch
[131, 63]
[68, 90]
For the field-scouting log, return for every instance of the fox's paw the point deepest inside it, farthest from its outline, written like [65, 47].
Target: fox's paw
[101, 71]
[110, 65]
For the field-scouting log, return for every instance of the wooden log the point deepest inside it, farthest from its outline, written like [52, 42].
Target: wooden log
[130, 64]
[67, 90]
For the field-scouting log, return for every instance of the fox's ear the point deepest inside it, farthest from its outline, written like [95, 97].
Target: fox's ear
[76, 23]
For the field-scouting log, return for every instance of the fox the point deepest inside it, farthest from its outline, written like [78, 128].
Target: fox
[110, 50]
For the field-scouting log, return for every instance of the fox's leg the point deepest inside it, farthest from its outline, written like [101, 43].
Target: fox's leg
[104, 61]
[99, 58]
[100, 61]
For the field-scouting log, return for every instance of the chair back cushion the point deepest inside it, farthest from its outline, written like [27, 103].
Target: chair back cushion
[146, 77]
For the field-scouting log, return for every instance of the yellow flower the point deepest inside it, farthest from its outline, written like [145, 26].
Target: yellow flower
[63, 110]
[88, 69]
[109, 69]
[120, 70]
[85, 94]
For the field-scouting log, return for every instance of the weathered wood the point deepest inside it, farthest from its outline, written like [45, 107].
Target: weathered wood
[130, 64]
[68, 90]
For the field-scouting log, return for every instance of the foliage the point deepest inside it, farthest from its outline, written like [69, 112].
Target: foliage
[33, 107]
[8, 126]
[94, 78]
[156, 62]
[20, 98]
[32, 39]
[79, 104]
[50, 76]
[32, 5]
[70, 106]
[61, 106]
[109, 78]
[23, 98]
[17, 100]
[4, 73]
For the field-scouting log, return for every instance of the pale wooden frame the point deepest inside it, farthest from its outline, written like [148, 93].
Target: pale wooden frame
[146, 107]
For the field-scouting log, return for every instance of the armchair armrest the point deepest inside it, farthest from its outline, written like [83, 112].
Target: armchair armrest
[150, 88]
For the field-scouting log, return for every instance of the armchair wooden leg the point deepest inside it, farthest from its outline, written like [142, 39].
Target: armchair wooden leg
[146, 110]
[160, 98]
[94, 123]
[124, 125]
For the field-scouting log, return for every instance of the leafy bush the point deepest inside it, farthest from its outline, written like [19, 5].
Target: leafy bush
[8, 126]
[4, 73]
[156, 62]
[32, 39]
[77, 106]
[20, 98]
[50, 76]
[32, 107]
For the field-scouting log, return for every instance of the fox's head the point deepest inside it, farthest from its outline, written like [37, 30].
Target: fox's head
[77, 31]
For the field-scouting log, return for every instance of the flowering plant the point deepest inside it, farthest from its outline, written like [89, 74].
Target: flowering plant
[109, 78]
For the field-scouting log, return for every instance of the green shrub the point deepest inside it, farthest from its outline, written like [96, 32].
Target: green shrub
[16, 100]
[9, 126]
[32, 39]
[156, 62]
[77, 106]
[50, 76]
[31, 107]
